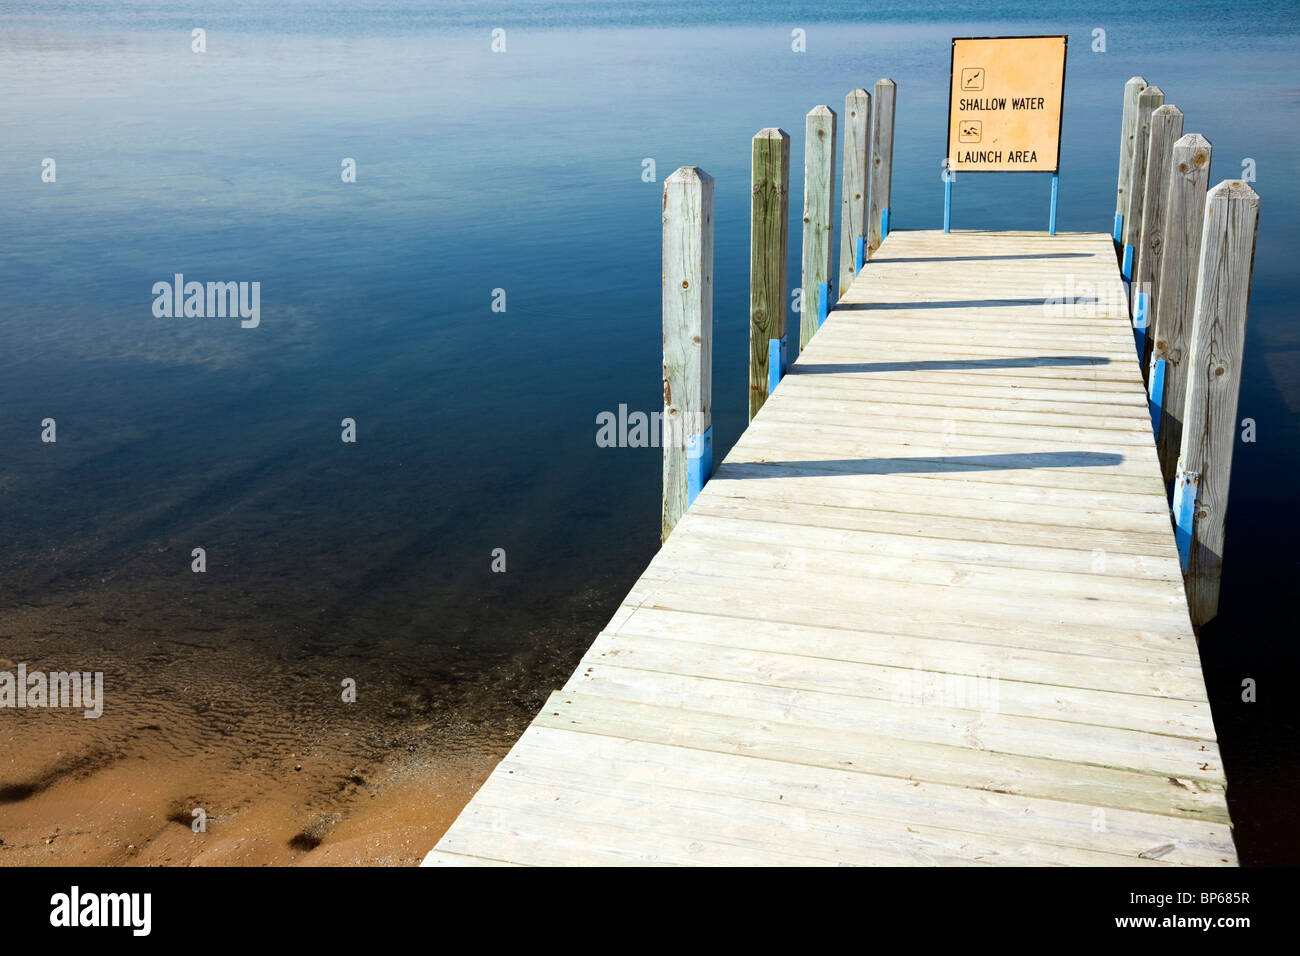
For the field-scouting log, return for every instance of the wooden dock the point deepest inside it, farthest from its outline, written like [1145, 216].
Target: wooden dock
[928, 610]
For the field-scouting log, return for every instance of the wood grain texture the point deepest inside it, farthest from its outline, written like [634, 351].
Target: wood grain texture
[928, 611]
[769, 230]
[1184, 216]
[818, 213]
[1128, 138]
[1214, 378]
[1148, 101]
[1166, 128]
[853, 184]
[688, 327]
[882, 158]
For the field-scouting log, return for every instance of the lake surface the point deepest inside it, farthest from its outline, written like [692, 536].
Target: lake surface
[518, 171]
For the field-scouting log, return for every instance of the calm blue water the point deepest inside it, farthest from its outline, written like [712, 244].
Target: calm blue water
[519, 171]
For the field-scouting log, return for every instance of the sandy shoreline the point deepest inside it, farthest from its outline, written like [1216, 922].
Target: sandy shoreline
[138, 812]
[251, 728]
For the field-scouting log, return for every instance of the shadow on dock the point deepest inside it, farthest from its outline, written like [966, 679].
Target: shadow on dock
[938, 365]
[899, 466]
[955, 304]
[1037, 255]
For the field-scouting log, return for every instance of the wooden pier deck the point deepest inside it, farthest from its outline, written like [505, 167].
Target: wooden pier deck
[928, 610]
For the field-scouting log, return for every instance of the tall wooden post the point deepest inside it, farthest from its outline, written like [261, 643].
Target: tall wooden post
[1213, 382]
[818, 219]
[687, 426]
[882, 163]
[1189, 177]
[1127, 144]
[853, 187]
[769, 231]
[1148, 100]
[1166, 127]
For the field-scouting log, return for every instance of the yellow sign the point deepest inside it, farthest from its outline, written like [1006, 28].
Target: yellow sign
[1004, 104]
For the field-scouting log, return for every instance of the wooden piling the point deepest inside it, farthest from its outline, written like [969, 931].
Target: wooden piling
[1127, 145]
[1184, 215]
[686, 428]
[818, 216]
[1214, 380]
[853, 185]
[769, 230]
[882, 161]
[1166, 127]
[1148, 100]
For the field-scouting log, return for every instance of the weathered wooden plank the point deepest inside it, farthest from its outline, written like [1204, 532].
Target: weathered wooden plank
[987, 710]
[1111, 505]
[1054, 361]
[1106, 359]
[853, 185]
[1128, 139]
[769, 230]
[1214, 379]
[790, 549]
[882, 160]
[832, 406]
[826, 662]
[752, 551]
[1166, 128]
[688, 337]
[754, 832]
[1189, 179]
[1009, 434]
[899, 448]
[552, 757]
[949, 470]
[950, 403]
[936, 326]
[980, 769]
[1158, 679]
[813, 535]
[818, 215]
[1138, 529]
[733, 587]
[1166, 642]
[564, 835]
[945, 389]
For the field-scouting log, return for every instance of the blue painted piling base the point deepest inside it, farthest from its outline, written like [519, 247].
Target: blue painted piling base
[1119, 227]
[699, 463]
[823, 302]
[1156, 393]
[1126, 270]
[1186, 487]
[859, 254]
[1140, 308]
[884, 224]
[776, 363]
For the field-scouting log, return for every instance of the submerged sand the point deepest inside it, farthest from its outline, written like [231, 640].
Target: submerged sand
[253, 730]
